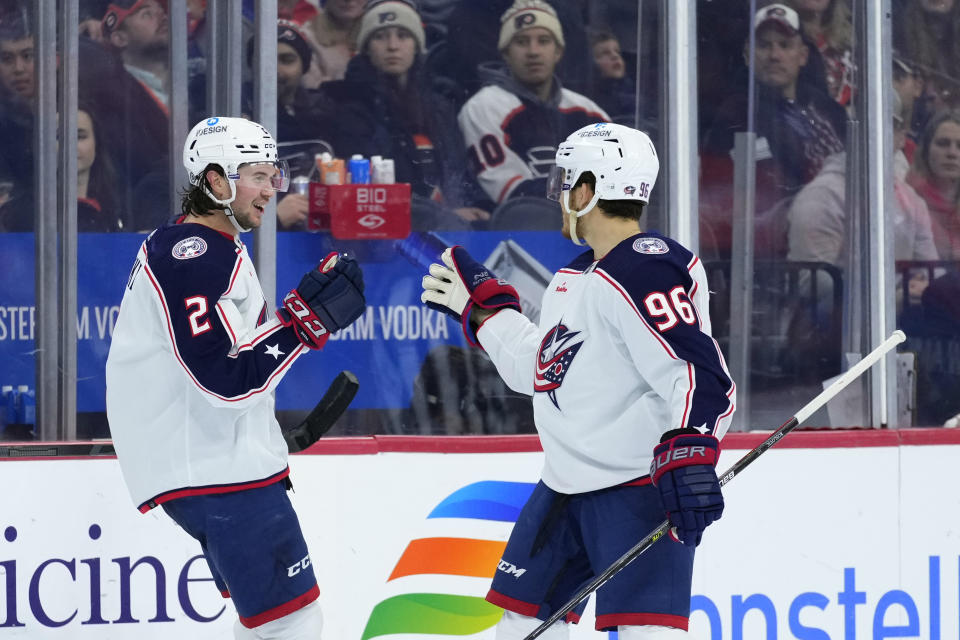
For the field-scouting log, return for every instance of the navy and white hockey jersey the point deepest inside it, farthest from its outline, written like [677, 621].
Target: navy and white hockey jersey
[512, 136]
[192, 370]
[623, 353]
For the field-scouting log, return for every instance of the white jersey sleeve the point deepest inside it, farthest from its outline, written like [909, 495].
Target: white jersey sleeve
[511, 341]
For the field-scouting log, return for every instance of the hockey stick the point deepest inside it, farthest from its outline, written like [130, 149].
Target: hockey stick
[838, 385]
[331, 406]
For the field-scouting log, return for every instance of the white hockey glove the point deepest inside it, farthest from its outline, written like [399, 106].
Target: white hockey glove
[461, 282]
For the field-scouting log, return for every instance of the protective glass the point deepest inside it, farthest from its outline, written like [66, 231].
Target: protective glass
[556, 182]
[261, 175]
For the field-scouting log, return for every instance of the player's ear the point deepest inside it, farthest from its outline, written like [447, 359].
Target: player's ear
[216, 182]
[581, 195]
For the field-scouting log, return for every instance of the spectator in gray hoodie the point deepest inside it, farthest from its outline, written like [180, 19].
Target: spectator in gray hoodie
[513, 125]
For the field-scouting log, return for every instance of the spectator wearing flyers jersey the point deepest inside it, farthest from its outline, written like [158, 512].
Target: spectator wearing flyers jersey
[512, 126]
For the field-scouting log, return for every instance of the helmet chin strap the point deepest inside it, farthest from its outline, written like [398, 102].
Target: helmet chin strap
[572, 221]
[573, 214]
[227, 209]
[233, 219]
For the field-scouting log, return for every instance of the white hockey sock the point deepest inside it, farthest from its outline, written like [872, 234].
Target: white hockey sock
[651, 632]
[513, 626]
[303, 624]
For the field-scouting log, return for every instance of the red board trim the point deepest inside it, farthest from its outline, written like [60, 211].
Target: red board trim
[368, 445]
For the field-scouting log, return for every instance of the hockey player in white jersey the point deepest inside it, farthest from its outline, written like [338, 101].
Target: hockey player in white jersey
[630, 396]
[192, 370]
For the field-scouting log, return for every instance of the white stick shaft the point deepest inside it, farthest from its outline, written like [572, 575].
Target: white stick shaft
[850, 375]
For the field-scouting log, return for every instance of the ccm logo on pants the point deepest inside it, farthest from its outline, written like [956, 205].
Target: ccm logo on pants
[300, 566]
[509, 569]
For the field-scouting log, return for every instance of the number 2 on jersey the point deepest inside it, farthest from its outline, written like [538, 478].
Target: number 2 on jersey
[198, 323]
[670, 309]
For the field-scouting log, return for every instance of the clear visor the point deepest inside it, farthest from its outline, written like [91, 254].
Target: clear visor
[261, 175]
[556, 182]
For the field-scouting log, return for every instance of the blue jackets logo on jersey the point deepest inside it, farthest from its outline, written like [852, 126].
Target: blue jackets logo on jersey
[553, 360]
[650, 245]
[189, 248]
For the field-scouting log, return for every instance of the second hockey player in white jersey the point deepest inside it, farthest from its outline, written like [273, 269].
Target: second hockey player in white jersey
[630, 392]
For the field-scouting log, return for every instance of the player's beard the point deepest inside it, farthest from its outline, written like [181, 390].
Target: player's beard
[249, 218]
[565, 229]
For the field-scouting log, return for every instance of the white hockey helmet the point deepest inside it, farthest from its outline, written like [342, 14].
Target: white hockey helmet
[623, 161]
[229, 143]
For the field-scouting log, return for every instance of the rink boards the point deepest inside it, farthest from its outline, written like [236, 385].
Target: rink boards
[836, 535]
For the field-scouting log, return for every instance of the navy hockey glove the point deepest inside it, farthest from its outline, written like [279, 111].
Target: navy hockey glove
[461, 282]
[683, 469]
[327, 299]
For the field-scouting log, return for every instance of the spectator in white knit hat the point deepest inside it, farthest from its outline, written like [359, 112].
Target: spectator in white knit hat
[386, 107]
[391, 14]
[513, 125]
[473, 29]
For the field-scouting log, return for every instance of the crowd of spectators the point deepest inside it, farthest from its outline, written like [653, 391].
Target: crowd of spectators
[469, 98]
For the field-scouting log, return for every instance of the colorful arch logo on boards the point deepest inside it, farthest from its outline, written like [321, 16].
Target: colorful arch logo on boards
[442, 613]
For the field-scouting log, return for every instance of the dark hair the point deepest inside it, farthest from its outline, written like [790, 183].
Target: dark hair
[103, 179]
[16, 21]
[194, 200]
[596, 37]
[405, 102]
[629, 209]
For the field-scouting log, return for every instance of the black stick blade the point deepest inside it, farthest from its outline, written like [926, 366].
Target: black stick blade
[334, 402]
